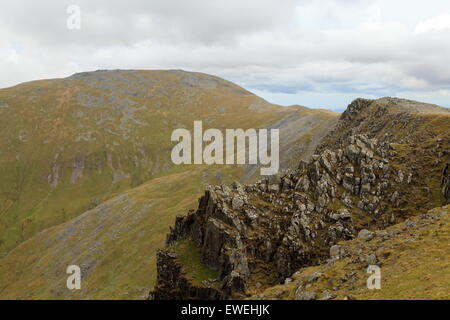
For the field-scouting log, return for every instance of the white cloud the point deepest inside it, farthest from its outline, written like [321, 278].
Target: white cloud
[439, 23]
[326, 50]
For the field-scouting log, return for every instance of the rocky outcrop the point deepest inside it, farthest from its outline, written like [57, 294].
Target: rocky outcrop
[352, 262]
[217, 228]
[291, 220]
[259, 235]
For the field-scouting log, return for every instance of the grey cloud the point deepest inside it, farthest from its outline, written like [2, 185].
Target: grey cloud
[288, 47]
[115, 22]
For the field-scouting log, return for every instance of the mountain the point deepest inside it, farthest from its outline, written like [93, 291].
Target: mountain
[87, 177]
[385, 163]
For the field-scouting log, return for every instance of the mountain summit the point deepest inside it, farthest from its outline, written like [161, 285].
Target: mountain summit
[87, 176]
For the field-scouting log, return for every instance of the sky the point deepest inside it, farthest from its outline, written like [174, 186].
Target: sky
[316, 53]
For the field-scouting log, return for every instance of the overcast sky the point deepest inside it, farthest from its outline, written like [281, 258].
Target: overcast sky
[317, 53]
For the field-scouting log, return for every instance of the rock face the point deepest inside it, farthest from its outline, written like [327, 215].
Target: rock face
[333, 280]
[263, 233]
[217, 228]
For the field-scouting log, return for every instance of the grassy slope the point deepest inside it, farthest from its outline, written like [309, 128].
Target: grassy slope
[414, 265]
[423, 141]
[416, 269]
[114, 244]
[189, 256]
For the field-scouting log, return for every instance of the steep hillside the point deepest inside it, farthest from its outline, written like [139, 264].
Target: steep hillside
[114, 244]
[413, 260]
[90, 181]
[382, 164]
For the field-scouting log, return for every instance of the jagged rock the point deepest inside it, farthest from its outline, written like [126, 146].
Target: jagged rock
[302, 184]
[395, 198]
[287, 184]
[349, 169]
[372, 259]
[234, 282]
[286, 221]
[347, 201]
[365, 188]
[344, 214]
[238, 187]
[365, 235]
[351, 152]
[327, 295]
[301, 294]
[237, 202]
[274, 188]
[251, 214]
[409, 178]
[382, 234]
[341, 214]
[335, 252]
[322, 201]
[348, 182]
[302, 207]
[326, 164]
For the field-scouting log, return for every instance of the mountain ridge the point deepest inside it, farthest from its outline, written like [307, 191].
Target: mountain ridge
[371, 171]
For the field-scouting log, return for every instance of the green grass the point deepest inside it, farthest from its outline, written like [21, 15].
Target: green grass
[335, 205]
[410, 270]
[189, 256]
